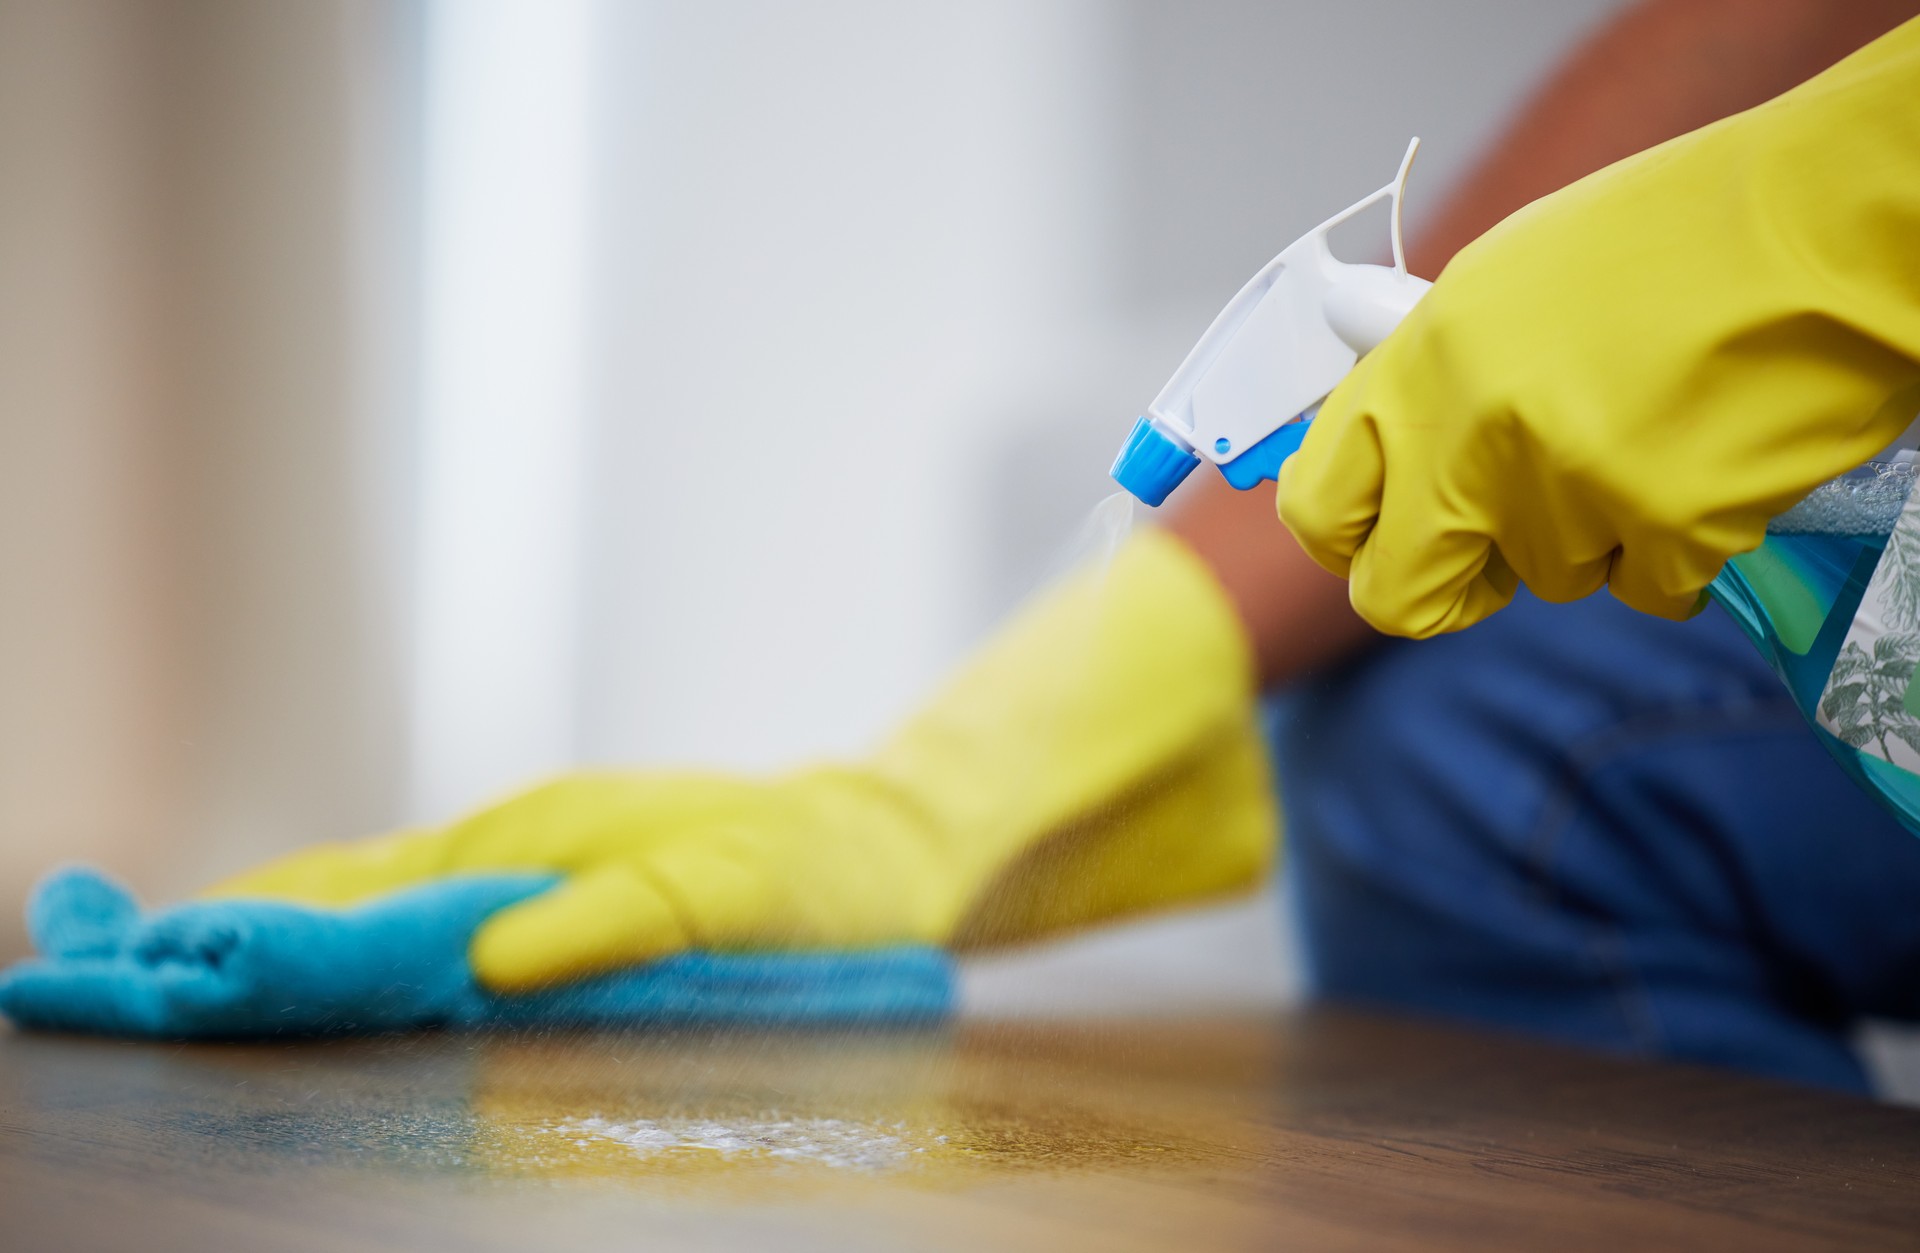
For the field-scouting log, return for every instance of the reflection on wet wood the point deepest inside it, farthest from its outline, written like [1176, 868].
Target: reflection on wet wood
[1320, 1131]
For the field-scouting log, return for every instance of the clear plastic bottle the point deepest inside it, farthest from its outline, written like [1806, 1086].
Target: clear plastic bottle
[1796, 596]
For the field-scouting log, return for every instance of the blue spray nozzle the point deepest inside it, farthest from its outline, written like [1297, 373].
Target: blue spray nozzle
[1151, 465]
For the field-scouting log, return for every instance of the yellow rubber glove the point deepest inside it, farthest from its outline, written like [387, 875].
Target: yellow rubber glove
[1099, 758]
[1622, 382]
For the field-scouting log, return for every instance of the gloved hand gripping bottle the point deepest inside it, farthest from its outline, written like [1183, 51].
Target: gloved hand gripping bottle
[1831, 597]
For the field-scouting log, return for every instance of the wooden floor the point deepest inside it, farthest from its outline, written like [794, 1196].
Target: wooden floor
[1322, 1131]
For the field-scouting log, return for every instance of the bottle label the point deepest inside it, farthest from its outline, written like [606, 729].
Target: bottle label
[1872, 698]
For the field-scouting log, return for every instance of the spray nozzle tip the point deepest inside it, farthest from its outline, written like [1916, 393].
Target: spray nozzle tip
[1150, 464]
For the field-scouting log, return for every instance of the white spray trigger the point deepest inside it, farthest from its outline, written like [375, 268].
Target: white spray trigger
[1281, 344]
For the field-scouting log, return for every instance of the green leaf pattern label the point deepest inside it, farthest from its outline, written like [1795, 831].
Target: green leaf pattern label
[1872, 698]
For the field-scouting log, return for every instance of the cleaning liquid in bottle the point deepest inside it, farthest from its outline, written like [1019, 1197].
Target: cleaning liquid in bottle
[1831, 599]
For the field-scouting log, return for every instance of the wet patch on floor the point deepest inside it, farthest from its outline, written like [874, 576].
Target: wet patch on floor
[839, 1143]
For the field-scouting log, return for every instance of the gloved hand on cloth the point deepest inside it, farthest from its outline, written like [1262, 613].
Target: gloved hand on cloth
[1099, 758]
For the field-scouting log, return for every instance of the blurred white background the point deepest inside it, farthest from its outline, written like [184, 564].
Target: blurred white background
[401, 400]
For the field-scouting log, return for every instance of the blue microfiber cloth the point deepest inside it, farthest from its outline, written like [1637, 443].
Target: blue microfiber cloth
[235, 969]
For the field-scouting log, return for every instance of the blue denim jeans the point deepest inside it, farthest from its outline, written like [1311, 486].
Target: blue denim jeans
[1584, 823]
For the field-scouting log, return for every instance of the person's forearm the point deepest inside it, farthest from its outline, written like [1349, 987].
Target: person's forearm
[1658, 70]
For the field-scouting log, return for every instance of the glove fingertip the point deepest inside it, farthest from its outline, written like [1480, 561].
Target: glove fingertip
[1328, 493]
[504, 961]
[1681, 608]
[1386, 598]
[581, 928]
[1307, 530]
[1640, 580]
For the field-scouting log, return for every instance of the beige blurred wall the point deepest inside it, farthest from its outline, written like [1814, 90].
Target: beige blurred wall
[197, 591]
[88, 638]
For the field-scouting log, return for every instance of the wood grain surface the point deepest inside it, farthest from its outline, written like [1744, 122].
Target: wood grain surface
[1325, 1130]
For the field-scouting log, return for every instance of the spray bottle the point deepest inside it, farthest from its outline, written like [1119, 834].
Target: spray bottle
[1831, 598]
[1243, 397]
